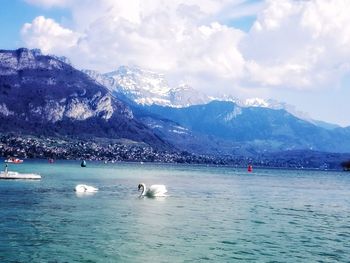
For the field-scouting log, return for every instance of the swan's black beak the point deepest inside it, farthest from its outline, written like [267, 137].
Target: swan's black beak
[139, 187]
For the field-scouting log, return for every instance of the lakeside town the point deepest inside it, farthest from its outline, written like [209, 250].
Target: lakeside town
[127, 151]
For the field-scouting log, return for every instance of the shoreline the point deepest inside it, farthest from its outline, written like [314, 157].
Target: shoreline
[101, 162]
[104, 150]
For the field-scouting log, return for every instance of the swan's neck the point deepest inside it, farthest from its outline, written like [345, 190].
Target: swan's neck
[143, 189]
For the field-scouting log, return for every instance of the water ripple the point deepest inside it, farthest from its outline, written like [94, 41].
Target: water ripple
[212, 214]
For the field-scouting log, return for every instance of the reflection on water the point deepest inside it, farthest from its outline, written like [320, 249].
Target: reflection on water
[214, 214]
[84, 194]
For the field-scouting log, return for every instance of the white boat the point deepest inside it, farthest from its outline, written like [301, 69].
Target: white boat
[13, 160]
[15, 175]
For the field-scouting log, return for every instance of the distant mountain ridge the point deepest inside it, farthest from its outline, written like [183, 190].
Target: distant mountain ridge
[251, 128]
[145, 87]
[225, 125]
[41, 94]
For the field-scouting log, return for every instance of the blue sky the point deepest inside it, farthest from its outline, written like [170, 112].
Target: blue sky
[13, 15]
[284, 50]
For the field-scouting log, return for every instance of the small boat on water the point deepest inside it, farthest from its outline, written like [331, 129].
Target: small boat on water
[8, 175]
[13, 160]
[16, 175]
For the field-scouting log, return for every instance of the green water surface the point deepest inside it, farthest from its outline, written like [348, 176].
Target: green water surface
[213, 214]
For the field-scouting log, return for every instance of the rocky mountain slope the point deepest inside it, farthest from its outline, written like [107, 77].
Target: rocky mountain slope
[41, 94]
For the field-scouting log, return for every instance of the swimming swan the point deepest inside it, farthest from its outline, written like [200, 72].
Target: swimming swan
[155, 190]
[83, 188]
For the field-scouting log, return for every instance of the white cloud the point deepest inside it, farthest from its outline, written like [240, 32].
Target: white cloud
[299, 44]
[48, 35]
[167, 36]
[292, 44]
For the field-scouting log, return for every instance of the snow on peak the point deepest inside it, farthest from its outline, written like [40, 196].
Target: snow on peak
[147, 87]
[226, 97]
[276, 105]
[256, 102]
[136, 79]
[269, 103]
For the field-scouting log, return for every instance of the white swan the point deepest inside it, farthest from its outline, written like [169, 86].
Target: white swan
[83, 188]
[155, 190]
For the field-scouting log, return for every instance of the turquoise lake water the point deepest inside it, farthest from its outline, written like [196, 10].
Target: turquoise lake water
[212, 214]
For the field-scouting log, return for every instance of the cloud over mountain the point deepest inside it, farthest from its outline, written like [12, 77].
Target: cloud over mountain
[180, 37]
[291, 44]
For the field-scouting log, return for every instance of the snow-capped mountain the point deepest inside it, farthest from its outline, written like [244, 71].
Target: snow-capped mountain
[146, 87]
[184, 96]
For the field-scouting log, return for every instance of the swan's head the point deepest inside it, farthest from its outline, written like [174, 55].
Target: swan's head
[140, 186]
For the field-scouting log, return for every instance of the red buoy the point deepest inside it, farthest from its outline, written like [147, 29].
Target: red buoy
[250, 168]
